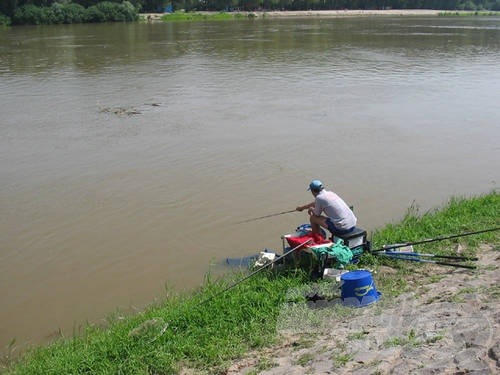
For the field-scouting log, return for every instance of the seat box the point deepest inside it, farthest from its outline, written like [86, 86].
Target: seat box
[353, 239]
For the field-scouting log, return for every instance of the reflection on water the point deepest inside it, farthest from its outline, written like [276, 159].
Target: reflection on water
[128, 152]
[96, 47]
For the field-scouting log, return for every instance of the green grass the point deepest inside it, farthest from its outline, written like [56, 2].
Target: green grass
[194, 16]
[459, 215]
[208, 328]
[341, 359]
[304, 359]
[183, 330]
[357, 335]
[265, 364]
[408, 340]
[411, 340]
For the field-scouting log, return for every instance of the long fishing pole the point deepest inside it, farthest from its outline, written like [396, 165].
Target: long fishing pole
[409, 254]
[415, 259]
[266, 216]
[258, 270]
[441, 238]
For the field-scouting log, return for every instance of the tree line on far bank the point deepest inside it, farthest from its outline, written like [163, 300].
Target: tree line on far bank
[44, 12]
[35, 12]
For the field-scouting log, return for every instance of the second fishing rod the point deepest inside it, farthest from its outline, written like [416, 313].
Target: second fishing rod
[440, 238]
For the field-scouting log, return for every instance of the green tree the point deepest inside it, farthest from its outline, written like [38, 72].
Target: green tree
[28, 15]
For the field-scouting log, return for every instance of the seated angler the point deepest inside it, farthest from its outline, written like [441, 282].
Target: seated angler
[338, 218]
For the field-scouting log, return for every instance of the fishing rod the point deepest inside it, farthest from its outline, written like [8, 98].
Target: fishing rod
[416, 259]
[409, 254]
[441, 238]
[257, 270]
[266, 216]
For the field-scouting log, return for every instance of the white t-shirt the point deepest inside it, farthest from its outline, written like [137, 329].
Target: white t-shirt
[335, 208]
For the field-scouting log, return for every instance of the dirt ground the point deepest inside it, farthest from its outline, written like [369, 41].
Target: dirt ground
[448, 325]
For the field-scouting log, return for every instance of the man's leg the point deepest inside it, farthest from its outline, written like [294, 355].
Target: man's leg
[317, 222]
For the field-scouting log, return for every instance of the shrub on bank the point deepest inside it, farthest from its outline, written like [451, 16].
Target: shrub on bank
[66, 13]
[113, 12]
[29, 15]
[4, 20]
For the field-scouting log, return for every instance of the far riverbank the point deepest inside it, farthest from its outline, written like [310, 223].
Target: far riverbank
[350, 13]
[324, 13]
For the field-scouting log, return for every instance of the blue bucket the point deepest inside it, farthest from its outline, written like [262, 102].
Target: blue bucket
[358, 288]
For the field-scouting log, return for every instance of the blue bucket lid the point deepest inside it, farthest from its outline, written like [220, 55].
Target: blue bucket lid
[356, 275]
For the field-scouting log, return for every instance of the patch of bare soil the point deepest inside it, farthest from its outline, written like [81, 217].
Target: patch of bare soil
[447, 325]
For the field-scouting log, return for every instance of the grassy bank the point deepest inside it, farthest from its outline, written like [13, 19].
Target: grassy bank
[218, 16]
[206, 329]
[202, 16]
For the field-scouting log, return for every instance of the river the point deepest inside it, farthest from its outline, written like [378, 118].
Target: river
[129, 151]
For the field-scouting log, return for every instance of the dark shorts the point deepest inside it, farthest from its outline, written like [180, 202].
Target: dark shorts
[334, 230]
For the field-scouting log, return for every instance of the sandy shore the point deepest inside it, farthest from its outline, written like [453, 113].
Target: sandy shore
[351, 13]
[448, 325]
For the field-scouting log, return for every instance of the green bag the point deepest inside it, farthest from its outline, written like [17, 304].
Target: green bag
[342, 254]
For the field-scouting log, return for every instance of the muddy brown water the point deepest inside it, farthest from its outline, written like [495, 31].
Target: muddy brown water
[128, 151]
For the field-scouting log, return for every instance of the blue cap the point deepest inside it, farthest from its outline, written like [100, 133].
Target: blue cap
[315, 185]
